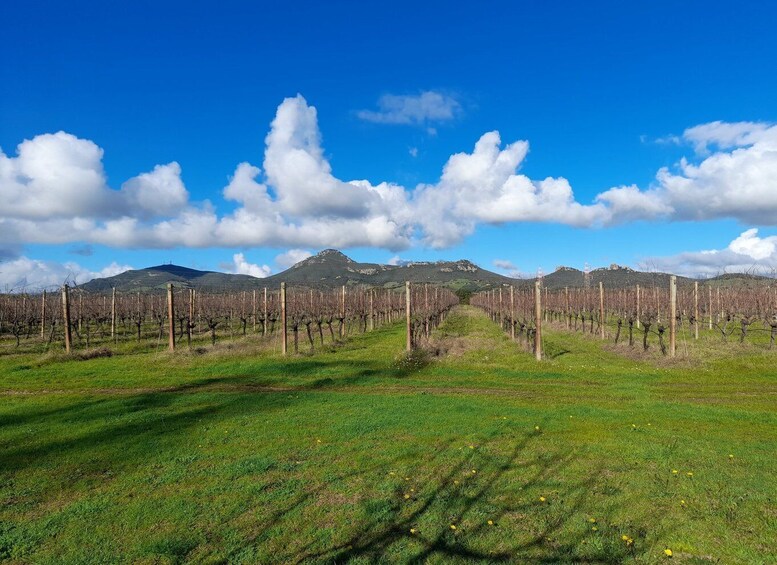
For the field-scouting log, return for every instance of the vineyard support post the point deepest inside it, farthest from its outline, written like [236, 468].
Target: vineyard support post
[537, 321]
[253, 307]
[190, 321]
[639, 309]
[66, 317]
[566, 306]
[264, 322]
[113, 313]
[372, 309]
[43, 315]
[283, 318]
[342, 314]
[709, 305]
[170, 318]
[696, 309]
[408, 325]
[601, 310]
[512, 312]
[672, 315]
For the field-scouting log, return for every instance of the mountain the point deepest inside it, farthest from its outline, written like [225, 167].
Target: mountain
[157, 278]
[331, 268]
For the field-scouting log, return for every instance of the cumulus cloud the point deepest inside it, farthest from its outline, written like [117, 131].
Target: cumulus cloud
[61, 176]
[240, 266]
[158, 193]
[54, 191]
[747, 253]
[292, 257]
[24, 273]
[485, 187]
[419, 109]
[736, 181]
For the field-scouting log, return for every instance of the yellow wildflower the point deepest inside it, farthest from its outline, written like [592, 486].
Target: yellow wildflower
[413, 530]
[490, 522]
[668, 552]
[542, 499]
[689, 473]
[453, 526]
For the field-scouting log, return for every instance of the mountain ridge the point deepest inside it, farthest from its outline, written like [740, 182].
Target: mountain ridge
[331, 268]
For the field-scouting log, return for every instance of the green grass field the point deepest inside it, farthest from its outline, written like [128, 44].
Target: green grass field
[357, 454]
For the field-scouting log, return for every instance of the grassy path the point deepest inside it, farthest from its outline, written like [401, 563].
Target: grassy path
[352, 455]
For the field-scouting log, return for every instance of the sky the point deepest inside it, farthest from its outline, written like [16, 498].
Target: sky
[245, 136]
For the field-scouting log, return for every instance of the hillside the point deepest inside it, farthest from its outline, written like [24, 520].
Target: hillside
[331, 268]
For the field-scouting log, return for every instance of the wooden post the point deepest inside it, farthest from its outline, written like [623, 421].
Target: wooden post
[566, 306]
[709, 305]
[639, 308]
[283, 318]
[190, 321]
[601, 310]
[512, 312]
[66, 317]
[113, 313]
[537, 321]
[43, 315]
[408, 325]
[253, 308]
[372, 309]
[672, 315]
[696, 309]
[170, 318]
[264, 322]
[342, 314]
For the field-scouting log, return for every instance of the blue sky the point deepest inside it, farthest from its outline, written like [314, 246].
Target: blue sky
[161, 102]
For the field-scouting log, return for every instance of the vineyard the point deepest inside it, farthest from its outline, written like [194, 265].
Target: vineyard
[302, 319]
[289, 319]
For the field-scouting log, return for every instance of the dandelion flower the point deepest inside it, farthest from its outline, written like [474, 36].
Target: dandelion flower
[730, 455]
[542, 499]
[455, 482]
[413, 530]
[594, 528]
[453, 526]
[472, 447]
[674, 471]
[682, 503]
[474, 471]
[537, 428]
[689, 473]
[624, 537]
[490, 522]
[407, 496]
[592, 520]
[668, 552]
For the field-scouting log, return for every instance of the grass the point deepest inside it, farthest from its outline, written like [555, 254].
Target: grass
[357, 453]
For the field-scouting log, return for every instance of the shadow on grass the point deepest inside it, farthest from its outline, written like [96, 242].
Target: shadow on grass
[374, 539]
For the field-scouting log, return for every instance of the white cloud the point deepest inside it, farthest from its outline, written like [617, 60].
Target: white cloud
[420, 109]
[292, 257]
[158, 193]
[240, 266]
[747, 253]
[24, 273]
[737, 181]
[54, 191]
[413, 151]
[58, 175]
[507, 268]
[484, 187]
